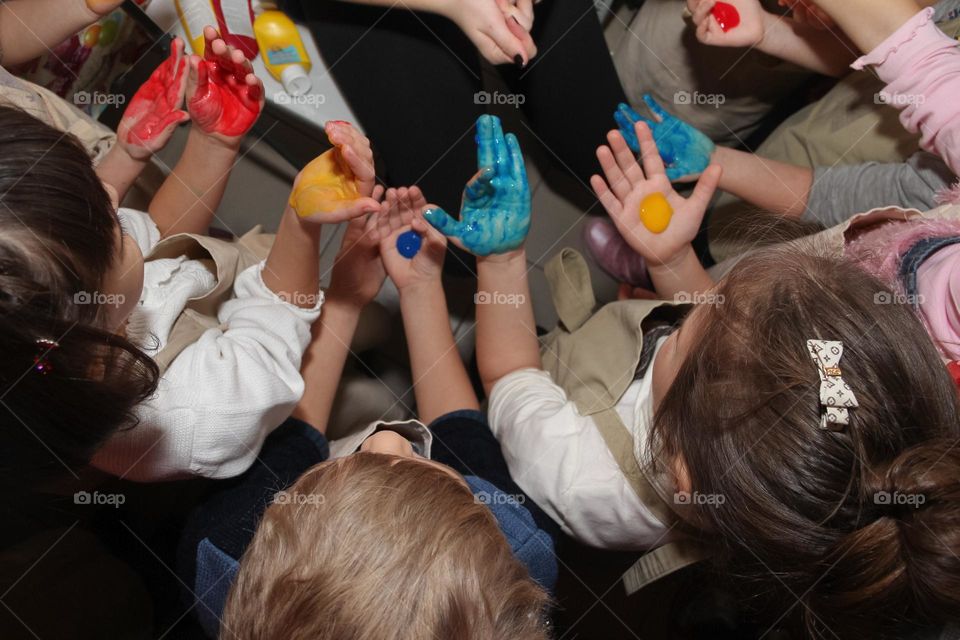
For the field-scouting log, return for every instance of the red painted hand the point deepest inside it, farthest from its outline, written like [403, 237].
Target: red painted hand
[154, 110]
[224, 96]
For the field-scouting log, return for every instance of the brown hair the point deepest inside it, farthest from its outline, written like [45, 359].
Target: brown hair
[58, 240]
[372, 547]
[844, 533]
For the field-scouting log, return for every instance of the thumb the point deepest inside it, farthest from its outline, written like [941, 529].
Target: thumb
[442, 222]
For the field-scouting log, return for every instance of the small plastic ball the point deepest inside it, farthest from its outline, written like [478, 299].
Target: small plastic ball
[408, 244]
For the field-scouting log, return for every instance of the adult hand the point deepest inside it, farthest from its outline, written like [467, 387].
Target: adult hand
[498, 38]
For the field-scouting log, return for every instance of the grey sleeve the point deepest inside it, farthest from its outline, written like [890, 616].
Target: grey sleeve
[842, 191]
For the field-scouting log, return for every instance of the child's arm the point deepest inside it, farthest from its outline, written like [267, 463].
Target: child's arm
[493, 225]
[357, 277]
[224, 99]
[773, 186]
[663, 233]
[819, 50]
[148, 122]
[29, 28]
[440, 380]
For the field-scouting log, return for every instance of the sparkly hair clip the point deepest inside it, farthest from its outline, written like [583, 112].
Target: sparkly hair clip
[40, 361]
[836, 396]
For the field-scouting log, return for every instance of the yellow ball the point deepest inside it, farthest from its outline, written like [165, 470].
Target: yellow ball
[655, 212]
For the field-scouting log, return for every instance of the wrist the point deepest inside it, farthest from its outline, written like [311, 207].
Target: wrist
[768, 26]
[517, 256]
[420, 289]
[341, 306]
[673, 263]
[213, 143]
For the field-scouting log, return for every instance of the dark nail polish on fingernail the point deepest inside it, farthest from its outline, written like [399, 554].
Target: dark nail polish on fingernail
[518, 60]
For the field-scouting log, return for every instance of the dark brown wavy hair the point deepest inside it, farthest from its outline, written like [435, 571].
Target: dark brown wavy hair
[852, 533]
[58, 239]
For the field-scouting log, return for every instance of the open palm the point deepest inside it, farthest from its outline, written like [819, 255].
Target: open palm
[625, 184]
[495, 215]
[400, 213]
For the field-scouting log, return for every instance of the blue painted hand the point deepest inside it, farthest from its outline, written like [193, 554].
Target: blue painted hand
[683, 148]
[495, 215]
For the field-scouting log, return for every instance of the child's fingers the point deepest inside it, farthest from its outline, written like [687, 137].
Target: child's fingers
[611, 170]
[625, 158]
[702, 12]
[606, 197]
[417, 198]
[377, 192]
[430, 235]
[659, 113]
[649, 154]
[706, 186]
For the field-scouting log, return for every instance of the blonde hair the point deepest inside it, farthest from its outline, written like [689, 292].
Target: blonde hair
[373, 546]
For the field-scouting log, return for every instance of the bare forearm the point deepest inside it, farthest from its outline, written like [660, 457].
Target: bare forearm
[506, 330]
[324, 361]
[120, 170]
[29, 28]
[683, 276]
[867, 26]
[292, 270]
[768, 184]
[823, 51]
[440, 380]
[189, 197]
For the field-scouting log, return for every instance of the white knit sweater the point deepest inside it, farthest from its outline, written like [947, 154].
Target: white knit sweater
[221, 396]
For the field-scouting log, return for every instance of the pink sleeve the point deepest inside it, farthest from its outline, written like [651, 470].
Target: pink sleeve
[921, 66]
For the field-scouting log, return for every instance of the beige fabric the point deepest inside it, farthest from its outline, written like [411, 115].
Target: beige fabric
[593, 356]
[225, 260]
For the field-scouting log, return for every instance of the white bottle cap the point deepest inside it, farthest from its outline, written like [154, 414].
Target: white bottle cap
[295, 80]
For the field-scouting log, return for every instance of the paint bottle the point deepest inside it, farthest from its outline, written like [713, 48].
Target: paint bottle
[194, 16]
[283, 52]
[235, 24]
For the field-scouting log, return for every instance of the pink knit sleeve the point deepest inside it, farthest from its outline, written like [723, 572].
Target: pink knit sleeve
[921, 66]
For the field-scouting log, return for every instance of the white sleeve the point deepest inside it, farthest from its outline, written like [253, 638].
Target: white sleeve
[141, 227]
[222, 395]
[559, 458]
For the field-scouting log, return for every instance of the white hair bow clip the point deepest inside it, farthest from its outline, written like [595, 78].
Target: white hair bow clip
[836, 396]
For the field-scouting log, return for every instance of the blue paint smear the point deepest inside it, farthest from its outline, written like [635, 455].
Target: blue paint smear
[495, 215]
[685, 150]
[408, 244]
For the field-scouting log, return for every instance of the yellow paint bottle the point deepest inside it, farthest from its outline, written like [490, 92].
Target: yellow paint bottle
[194, 16]
[283, 52]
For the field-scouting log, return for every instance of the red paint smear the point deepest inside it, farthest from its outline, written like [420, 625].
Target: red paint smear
[223, 102]
[726, 15]
[157, 100]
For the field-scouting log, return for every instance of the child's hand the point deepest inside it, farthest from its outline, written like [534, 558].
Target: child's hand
[748, 33]
[495, 216]
[103, 7]
[358, 272]
[627, 185]
[339, 184]
[684, 149]
[400, 213]
[224, 96]
[154, 111]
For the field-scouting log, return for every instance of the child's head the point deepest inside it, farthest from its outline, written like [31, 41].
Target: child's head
[380, 546]
[60, 253]
[847, 530]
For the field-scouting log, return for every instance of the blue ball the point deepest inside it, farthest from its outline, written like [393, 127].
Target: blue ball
[408, 244]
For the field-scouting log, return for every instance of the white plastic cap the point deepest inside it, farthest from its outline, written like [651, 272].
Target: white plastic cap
[295, 80]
